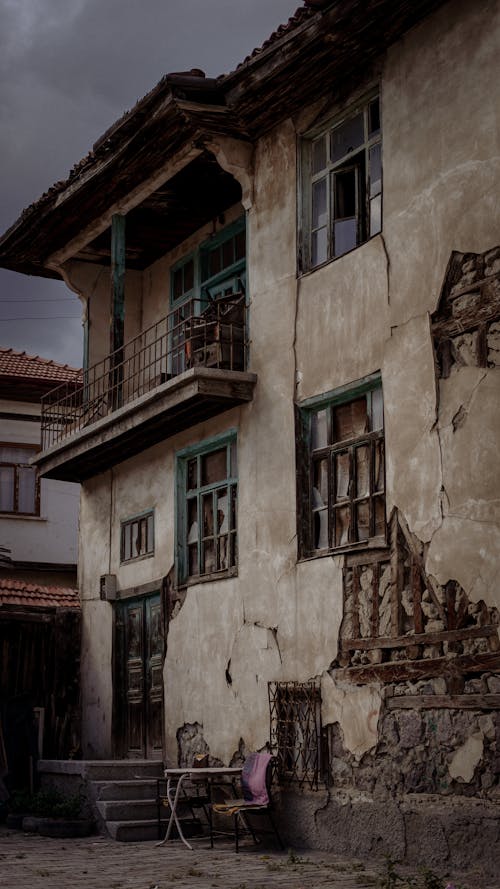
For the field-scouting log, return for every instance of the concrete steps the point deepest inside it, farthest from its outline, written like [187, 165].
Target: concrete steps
[121, 795]
[124, 797]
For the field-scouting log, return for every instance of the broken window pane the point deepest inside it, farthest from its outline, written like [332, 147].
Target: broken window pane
[363, 520]
[350, 420]
[194, 569]
[320, 521]
[223, 553]
[319, 429]
[213, 467]
[222, 512]
[192, 536]
[208, 558]
[319, 155]
[319, 213]
[363, 471]
[319, 246]
[379, 507]
[208, 515]
[342, 475]
[234, 460]
[320, 483]
[348, 136]
[379, 466]
[342, 525]
[135, 539]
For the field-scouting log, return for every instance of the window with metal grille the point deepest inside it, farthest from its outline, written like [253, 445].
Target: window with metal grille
[342, 185]
[137, 537]
[207, 488]
[295, 710]
[19, 482]
[340, 469]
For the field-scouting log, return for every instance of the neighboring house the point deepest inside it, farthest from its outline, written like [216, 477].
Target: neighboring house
[39, 602]
[289, 458]
[38, 517]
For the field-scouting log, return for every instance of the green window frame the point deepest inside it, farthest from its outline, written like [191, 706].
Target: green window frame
[207, 495]
[137, 537]
[341, 184]
[341, 469]
[216, 268]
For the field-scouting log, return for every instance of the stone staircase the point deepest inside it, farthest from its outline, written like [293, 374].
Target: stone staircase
[124, 798]
[121, 795]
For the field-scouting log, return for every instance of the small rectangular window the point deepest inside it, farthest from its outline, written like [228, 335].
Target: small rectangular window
[19, 482]
[207, 497]
[137, 537]
[340, 470]
[342, 185]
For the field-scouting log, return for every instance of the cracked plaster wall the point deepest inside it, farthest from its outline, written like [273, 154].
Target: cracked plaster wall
[367, 311]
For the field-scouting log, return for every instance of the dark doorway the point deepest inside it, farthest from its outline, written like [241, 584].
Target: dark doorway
[138, 697]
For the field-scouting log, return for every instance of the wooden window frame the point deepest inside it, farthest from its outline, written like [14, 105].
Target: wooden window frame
[143, 520]
[185, 495]
[361, 160]
[308, 457]
[16, 467]
[205, 283]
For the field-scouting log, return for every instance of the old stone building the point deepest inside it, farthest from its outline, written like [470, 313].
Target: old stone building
[288, 438]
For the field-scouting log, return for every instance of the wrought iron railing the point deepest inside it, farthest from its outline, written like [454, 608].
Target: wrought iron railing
[187, 337]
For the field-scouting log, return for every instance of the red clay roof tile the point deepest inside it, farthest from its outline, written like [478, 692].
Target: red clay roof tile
[18, 364]
[18, 592]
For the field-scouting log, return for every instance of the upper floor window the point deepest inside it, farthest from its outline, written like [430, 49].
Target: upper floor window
[137, 537]
[216, 269]
[342, 185]
[341, 474]
[207, 486]
[19, 482]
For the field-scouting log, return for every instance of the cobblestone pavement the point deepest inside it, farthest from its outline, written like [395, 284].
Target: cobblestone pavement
[29, 861]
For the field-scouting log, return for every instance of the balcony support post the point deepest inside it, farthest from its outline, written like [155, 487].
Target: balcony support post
[117, 305]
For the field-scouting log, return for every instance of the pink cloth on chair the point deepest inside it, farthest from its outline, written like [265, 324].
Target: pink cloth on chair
[253, 778]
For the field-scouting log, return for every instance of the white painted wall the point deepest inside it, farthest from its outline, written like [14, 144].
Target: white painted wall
[51, 537]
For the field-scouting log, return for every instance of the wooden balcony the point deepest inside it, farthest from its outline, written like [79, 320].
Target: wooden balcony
[187, 367]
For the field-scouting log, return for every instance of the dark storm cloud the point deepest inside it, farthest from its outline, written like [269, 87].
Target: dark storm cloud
[68, 69]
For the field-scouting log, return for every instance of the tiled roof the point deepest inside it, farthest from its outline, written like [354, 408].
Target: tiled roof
[300, 15]
[19, 364]
[18, 592]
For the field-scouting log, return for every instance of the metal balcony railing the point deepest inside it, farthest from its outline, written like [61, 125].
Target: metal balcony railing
[187, 337]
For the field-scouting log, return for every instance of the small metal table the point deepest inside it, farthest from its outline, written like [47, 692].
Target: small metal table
[177, 776]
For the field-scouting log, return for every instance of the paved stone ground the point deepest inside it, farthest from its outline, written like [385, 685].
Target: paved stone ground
[29, 861]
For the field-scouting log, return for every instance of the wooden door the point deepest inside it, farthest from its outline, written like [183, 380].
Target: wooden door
[139, 678]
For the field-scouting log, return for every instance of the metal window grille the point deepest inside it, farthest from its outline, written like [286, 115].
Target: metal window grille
[295, 711]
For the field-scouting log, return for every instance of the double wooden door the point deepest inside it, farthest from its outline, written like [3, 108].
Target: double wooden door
[138, 698]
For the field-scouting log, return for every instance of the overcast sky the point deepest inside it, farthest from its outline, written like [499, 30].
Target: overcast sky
[68, 69]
